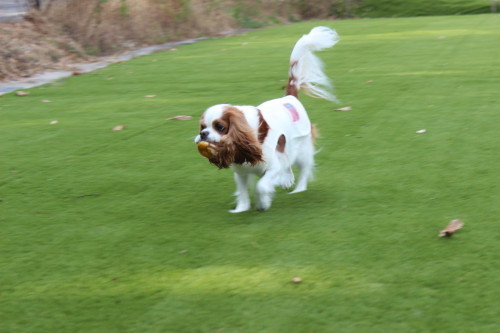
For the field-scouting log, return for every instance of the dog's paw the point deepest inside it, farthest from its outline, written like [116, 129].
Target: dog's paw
[298, 190]
[240, 209]
[264, 202]
[287, 179]
[236, 211]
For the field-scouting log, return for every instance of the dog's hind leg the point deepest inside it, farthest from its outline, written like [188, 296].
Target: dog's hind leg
[285, 178]
[305, 162]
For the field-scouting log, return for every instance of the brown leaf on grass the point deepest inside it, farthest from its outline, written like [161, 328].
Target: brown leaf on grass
[451, 228]
[346, 108]
[180, 118]
[22, 93]
[119, 128]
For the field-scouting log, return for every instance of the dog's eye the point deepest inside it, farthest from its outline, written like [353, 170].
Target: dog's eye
[219, 127]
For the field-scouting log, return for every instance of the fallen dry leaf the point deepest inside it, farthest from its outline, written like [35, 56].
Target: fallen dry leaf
[119, 128]
[150, 96]
[347, 108]
[22, 93]
[180, 118]
[422, 131]
[451, 228]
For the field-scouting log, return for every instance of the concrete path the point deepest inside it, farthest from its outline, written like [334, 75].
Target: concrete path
[48, 77]
[12, 10]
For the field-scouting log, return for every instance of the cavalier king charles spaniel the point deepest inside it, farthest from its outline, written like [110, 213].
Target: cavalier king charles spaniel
[268, 140]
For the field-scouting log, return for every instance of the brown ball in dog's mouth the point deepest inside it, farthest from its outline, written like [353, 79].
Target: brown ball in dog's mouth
[207, 149]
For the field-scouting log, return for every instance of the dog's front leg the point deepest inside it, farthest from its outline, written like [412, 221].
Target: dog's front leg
[242, 197]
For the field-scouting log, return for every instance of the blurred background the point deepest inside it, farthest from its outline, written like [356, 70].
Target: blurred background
[45, 34]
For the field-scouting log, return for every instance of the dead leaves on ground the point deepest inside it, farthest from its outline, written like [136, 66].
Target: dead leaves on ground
[450, 229]
[116, 128]
[180, 118]
[346, 108]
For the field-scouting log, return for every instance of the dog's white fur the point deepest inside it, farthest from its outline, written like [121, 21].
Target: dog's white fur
[268, 140]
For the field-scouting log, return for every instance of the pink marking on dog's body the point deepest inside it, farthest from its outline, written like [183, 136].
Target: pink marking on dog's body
[293, 111]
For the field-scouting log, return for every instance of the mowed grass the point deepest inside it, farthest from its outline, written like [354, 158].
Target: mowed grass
[128, 231]
[401, 8]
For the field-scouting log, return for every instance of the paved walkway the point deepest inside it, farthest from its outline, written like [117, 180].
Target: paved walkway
[47, 77]
[12, 10]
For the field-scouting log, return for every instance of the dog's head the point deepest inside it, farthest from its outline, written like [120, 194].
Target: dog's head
[226, 128]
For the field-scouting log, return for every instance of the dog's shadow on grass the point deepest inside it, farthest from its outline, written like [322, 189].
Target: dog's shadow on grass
[286, 207]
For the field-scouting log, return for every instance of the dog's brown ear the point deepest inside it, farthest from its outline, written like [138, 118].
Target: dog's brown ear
[240, 144]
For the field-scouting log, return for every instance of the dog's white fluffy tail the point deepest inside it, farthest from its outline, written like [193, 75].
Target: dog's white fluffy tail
[306, 69]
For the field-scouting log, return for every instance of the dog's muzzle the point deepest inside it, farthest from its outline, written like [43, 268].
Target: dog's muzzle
[204, 135]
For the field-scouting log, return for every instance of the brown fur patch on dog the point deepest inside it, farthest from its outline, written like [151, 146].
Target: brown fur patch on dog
[291, 87]
[280, 146]
[263, 128]
[314, 132]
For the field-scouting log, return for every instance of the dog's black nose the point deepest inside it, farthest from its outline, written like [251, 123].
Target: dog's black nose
[203, 135]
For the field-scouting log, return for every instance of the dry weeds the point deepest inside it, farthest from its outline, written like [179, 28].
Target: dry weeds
[32, 46]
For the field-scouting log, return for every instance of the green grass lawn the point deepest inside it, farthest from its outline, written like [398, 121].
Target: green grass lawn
[400, 8]
[128, 231]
